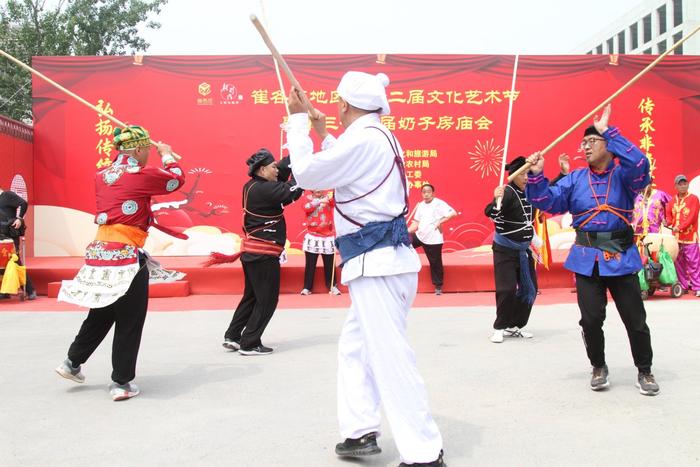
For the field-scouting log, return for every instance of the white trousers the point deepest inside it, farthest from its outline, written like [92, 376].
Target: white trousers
[376, 364]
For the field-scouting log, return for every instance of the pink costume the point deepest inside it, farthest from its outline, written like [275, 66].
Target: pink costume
[649, 211]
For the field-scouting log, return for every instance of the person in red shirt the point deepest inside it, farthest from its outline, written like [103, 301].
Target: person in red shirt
[113, 283]
[319, 239]
[682, 217]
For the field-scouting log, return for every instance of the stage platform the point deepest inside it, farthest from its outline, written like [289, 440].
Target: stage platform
[468, 271]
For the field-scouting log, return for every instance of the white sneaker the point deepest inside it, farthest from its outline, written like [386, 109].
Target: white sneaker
[697, 293]
[517, 332]
[334, 291]
[497, 336]
[305, 292]
[122, 392]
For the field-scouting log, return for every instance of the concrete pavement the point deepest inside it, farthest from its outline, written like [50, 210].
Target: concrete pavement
[520, 403]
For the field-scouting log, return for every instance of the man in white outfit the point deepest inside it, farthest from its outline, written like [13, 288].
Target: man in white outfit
[375, 363]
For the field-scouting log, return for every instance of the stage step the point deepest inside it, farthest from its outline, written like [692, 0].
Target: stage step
[160, 290]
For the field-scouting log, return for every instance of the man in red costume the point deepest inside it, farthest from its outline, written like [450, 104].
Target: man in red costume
[682, 217]
[113, 283]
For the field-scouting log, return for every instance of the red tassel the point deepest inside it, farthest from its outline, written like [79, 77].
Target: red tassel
[220, 258]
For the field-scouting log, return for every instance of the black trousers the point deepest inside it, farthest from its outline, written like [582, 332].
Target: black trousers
[310, 270]
[434, 254]
[128, 314]
[258, 304]
[510, 311]
[592, 300]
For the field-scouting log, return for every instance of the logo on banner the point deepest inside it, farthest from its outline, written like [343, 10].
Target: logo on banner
[229, 94]
[204, 90]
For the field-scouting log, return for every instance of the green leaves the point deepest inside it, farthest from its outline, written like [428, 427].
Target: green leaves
[66, 27]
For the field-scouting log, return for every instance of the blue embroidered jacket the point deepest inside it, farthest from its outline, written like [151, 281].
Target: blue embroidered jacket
[583, 192]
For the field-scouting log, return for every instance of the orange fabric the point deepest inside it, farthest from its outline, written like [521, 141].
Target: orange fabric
[603, 207]
[122, 233]
[541, 230]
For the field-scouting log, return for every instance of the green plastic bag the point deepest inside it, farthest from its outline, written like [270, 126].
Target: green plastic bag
[643, 280]
[668, 273]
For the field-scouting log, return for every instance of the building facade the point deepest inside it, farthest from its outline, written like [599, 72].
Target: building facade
[651, 28]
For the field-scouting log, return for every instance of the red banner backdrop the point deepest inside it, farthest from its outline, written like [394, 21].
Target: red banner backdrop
[449, 113]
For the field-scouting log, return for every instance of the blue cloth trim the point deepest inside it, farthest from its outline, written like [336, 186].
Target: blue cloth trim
[372, 236]
[526, 291]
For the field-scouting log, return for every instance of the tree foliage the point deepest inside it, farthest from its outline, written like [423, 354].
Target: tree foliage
[65, 27]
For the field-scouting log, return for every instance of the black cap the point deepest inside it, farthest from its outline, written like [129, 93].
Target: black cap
[515, 164]
[261, 158]
[591, 130]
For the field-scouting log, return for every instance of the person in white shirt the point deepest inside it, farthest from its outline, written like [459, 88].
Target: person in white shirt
[426, 228]
[380, 267]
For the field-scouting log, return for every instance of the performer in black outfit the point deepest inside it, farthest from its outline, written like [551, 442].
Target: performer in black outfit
[513, 264]
[264, 197]
[12, 226]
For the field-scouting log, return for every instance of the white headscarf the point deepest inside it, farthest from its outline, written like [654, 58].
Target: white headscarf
[365, 91]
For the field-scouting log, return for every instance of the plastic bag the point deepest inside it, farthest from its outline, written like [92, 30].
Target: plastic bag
[668, 273]
[643, 284]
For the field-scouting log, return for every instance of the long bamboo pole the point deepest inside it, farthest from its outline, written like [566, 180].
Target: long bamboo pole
[69, 93]
[606, 101]
[282, 62]
[510, 115]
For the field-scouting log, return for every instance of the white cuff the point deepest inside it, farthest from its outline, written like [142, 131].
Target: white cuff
[167, 158]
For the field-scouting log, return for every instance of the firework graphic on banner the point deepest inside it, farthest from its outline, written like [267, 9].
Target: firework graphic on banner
[486, 158]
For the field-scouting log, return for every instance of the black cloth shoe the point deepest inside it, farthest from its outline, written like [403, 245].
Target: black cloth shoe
[364, 446]
[259, 350]
[436, 463]
[4, 295]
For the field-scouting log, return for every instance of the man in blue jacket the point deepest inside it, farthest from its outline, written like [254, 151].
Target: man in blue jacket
[604, 258]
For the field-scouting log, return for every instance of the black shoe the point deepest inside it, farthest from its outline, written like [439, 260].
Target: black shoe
[231, 344]
[436, 463]
[364, 446]
[4, 295]
[259, 350]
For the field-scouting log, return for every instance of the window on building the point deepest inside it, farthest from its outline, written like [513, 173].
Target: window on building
[677, 12]
[634, 36]
[611, 45]
[599, 49]
[647, 52]
[661, 16]
[661, 46]
[646, 31]
[676, 38]
[621, 42]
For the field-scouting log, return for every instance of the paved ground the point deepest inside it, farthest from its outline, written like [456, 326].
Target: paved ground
[520, 403]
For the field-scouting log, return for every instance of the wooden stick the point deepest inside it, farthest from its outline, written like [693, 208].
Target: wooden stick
[510, 114]
[526, 167]
[333, 273]
[276, 55]
[69, 93]
[277, 66]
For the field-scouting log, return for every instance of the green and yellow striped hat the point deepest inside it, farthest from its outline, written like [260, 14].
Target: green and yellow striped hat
[130, 137]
